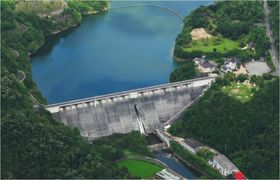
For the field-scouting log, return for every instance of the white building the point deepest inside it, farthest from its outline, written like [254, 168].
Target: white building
[203, 65]
[191, 145]
[230, 64]
[167, 174]
[223, 165]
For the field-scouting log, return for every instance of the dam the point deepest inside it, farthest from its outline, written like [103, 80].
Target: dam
[144, 109]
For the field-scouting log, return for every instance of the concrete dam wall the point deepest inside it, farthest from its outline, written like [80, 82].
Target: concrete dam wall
[144, 109]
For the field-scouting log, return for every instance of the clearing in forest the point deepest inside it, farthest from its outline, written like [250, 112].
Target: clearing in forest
[213, 44]
[199, 33]
[241, 92]
[139, 168]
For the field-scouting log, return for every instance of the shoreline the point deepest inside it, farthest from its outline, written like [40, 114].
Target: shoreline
[30, 54]
[178, 59]
[186, 163]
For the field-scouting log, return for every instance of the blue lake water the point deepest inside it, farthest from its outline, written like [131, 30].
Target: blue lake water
[119, 50]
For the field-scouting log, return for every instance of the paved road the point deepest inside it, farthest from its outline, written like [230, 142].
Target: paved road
[22, 76]
[272, 51]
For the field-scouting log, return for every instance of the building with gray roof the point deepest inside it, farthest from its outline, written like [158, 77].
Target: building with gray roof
[223, 165]
[192, 145]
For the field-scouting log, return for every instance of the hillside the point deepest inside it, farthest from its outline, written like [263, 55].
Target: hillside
[235, 23]
[34, 145]
[239, 120]
[246, 131]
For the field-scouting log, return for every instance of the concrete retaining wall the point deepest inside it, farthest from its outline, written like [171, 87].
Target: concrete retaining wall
[102, 116]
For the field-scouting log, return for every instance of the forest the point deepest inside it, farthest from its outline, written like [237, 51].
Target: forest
[246, 132]
[185, 71]
[274, 21]
[236, 20]
[34, 145]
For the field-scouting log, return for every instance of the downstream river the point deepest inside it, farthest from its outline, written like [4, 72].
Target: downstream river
[122, 49]
[166, 157]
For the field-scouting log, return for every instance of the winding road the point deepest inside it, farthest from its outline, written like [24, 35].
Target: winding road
[272, 50]
[21, 75]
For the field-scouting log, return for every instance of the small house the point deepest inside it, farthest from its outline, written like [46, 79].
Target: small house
[230, 64]
[204, 65]
[191, 145]
[251, 45]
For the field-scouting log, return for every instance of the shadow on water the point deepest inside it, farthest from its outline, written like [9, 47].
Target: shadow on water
[153, 139]
[52, 40]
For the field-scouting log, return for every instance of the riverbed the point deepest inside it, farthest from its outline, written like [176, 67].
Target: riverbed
[122, 49]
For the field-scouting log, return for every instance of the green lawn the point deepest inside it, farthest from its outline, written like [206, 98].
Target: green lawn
[240, 91]
[138, 168]
[208, 45]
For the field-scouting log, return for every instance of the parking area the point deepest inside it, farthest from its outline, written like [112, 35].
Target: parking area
[257, 68]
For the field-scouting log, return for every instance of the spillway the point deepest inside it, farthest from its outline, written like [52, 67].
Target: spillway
[144, 109]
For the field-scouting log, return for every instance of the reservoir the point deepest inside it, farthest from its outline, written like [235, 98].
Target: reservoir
[122, 49]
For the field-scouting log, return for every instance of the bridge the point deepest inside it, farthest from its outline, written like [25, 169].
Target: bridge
[176, 13]
[144, 109]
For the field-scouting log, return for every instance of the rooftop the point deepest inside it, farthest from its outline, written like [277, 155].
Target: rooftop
[251, 44]
[230, 60]
[204, 63]
[224, 67]
[225, 162]
[193, 143]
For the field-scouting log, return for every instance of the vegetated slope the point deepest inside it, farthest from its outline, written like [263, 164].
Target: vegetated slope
[33, 144]
[248, 133]
[186, 71]
[239, 21]
[274, 21]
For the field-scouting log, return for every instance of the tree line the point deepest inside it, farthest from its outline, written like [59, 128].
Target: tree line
[248, 133]
[34, 145]
[237, 20]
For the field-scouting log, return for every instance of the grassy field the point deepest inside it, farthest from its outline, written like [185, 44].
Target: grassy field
[138, 168]
[208, 45]
[240, 91]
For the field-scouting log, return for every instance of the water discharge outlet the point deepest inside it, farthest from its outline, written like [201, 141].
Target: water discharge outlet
[140, 122]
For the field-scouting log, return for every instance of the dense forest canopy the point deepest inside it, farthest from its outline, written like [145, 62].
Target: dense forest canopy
[34, 145]
[248, 133]
[185, 71]
[237, 20]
